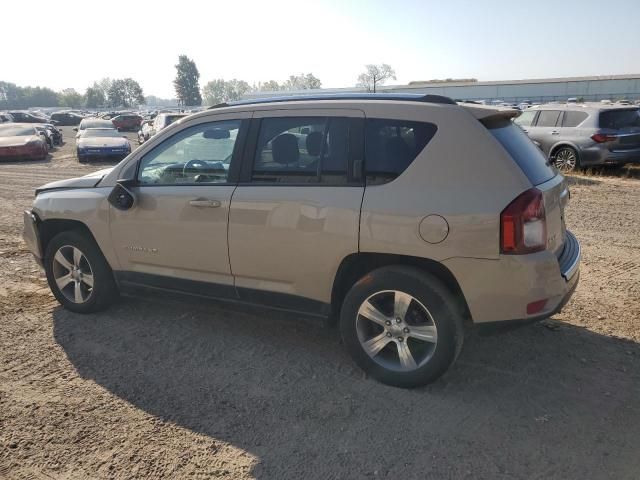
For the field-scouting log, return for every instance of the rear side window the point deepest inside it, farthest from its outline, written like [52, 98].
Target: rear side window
[392, 145]
[573, 119]
[617, 119]
[303, 150]
[529, 158]
[548, 118]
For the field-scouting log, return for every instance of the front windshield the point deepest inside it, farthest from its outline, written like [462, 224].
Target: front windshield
[100, 132]
[15, 131]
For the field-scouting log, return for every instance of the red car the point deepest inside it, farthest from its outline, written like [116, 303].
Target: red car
[127, 122]
[21, 141]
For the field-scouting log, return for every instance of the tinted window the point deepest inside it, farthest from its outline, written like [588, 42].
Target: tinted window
[573, 118]
[526, 118]
[528, 157]
[391, 146]
[199, 154]
[548, 118]
[619, 119]
[303, 150]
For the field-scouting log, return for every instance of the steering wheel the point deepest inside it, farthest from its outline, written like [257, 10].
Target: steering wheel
[193, 165]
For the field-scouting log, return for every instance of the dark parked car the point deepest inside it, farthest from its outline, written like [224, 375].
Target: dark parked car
[22, 141]
[144, 133]
[45, 133]
[577, 135]
[66, 118]
[55, 133]
[26, 117]
[127, 122]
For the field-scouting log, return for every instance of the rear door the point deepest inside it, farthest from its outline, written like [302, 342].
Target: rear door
[296, 212]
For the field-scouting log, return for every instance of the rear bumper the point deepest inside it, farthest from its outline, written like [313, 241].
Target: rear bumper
[31, 235]
[603, 156]
[500, 290]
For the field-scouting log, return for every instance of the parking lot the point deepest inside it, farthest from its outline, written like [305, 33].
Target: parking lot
[164, 387]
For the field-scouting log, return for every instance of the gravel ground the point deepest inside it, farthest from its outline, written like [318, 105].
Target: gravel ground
[168, 388]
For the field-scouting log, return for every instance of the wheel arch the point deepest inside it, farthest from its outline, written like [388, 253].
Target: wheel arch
[564, 143]
[355, 266]
[47, 229]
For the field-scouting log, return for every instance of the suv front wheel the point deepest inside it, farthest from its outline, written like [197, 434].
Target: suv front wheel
[78, 274]
[402, 326]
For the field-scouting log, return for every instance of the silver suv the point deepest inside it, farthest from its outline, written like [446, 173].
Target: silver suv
[402, 217]
[579, 135]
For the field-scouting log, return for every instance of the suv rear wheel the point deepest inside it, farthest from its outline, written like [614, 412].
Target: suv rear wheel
[401, 326]
[78, 274]
[566, 159]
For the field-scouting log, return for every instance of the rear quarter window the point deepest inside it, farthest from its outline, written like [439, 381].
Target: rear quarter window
[573, 118]
[524, 152]
[392, 145]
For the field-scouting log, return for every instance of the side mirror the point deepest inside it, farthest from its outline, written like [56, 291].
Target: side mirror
[75, 129]
[121, 197]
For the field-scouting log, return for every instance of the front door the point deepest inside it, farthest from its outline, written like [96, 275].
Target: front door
[175, 236]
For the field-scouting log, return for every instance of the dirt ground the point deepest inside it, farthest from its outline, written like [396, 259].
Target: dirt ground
[166, 388]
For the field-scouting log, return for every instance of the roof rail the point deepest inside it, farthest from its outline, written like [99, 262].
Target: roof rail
[410, 97]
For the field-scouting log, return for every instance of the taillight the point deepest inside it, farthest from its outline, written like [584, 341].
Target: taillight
[601, 138]
[523, 225]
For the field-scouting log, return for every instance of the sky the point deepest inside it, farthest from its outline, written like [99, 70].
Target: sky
[71, 43]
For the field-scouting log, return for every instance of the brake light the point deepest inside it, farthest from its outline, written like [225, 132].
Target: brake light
[601, 138]
[523, 224]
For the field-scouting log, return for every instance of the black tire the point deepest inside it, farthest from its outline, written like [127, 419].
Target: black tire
[104, 291]
[82, 159]
[446, 314]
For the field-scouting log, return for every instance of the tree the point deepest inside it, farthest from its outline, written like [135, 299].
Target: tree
[270, 86]
[104, 85]
[302, 82]
[94, 97]
[375, 75]
[220, 91]
[187, 82]
[69, 97]
[125, 92]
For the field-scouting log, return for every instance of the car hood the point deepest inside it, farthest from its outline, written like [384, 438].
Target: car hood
[16, 141]
[87, 181]
[98, 142]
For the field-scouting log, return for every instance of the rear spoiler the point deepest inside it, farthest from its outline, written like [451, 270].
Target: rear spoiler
[491, 116]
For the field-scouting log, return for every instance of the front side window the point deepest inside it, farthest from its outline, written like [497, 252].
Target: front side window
[199, 154]
[548, 118]
[302, 150]
[392, 145]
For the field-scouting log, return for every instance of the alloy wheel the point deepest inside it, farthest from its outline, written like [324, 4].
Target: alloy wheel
[566, 160]
[73, 274]
[396, 330]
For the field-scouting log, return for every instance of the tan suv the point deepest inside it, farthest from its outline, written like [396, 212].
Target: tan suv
[401, 216]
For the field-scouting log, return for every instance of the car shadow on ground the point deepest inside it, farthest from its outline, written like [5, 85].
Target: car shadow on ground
[13, 161]
[545, 401]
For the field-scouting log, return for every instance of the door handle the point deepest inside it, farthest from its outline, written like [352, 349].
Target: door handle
[525, 130]
[555, 132]
[204, 203]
